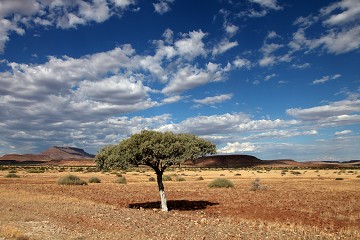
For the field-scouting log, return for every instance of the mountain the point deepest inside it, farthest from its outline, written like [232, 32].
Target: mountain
[52, 156]
[58, 153]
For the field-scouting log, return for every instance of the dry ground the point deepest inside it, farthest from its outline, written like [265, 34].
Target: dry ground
[311, 204]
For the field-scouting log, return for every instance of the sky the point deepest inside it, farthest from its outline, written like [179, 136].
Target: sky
[270, 78]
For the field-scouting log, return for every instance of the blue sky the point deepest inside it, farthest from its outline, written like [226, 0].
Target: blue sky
[270, 78]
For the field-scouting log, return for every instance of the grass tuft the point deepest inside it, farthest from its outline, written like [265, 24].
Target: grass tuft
[12, 175]
[122, 180]
[71, 180]
[94, 180]
[221, 183]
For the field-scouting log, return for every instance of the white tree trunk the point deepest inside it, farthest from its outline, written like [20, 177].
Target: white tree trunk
[163, 201]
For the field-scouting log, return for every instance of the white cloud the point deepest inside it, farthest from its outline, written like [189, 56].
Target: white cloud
[223, 46]
[14, 15]
[326, 79]
[191, 45]
[344, 132]
[237, 147]
[281, 134]
[334, 109]
[342, 32]
[214, 99]
[189, 77]
[268, 77]
[231, 29]
[272, 4]
[242, 63]
[163, 6]
[350, 13]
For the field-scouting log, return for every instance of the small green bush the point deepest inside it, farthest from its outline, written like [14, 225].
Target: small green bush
[71, 180]
[221, 183]
[122, 180]
[199, 178]
[35, 170]
[12, 171]
[167, 178]
[180, 179]
[94, 180]
[12, 175]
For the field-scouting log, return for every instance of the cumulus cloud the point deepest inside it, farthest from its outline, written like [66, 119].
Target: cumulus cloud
[163, 6]
[223, 46]
[16, 16]
[214, 99]
[340, 21]
[191, 45]
[189, 77]
[237, 147]
[260, 8]
[344, 132]
[338, 109]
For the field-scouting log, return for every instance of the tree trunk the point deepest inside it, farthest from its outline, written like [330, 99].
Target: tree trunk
[162, 192]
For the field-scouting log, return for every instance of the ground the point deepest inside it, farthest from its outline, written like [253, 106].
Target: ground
[291, 204]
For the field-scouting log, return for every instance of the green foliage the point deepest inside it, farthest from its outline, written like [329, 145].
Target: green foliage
[71, 180]
[94, 180]
[167, 178]
[155, 149]
[221, 183]
[12, 175]
[35, 170]
[180, 179]
[122, 180]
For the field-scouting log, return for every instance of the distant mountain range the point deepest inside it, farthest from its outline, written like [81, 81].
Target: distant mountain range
[72, 156]
[52, 156]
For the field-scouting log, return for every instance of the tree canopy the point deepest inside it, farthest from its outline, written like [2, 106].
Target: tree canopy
[158, 150]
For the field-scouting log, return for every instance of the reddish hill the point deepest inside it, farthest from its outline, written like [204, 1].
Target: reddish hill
[58, 153]
[52, 156]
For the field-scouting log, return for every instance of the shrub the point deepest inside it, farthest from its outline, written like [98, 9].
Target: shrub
[221, 183]
[180, 179]
[94, 180]
[12, 175]
[71, 180]
[167, 178]
[122, 180]
[339, 178]
[12, 171]
[199, 178]
[35, 170]
[152, 179]
[237, 174]
[256, 185]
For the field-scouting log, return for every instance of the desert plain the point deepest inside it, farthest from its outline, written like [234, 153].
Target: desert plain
[289, 204]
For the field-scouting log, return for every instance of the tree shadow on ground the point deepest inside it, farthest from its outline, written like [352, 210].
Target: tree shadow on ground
[181, 205]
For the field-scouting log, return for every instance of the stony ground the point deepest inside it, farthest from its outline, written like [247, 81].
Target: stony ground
[305, 204]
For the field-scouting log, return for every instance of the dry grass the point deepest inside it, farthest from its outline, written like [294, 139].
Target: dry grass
[309, 205]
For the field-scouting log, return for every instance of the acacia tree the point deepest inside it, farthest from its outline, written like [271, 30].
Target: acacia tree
[157, 150]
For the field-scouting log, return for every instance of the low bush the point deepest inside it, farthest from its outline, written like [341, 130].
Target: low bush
[152, 179]
[180, 179]
[12, 175]
[199, 178]
[94, 180]
[256, 185]
[167, 178]
[339, 178]
[221, 183]
[122, 180]
[35, 170]
[71, 180]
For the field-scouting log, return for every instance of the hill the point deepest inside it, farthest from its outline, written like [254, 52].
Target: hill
[52, 156]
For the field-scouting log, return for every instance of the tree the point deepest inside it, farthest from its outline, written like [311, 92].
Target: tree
[157, 150]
